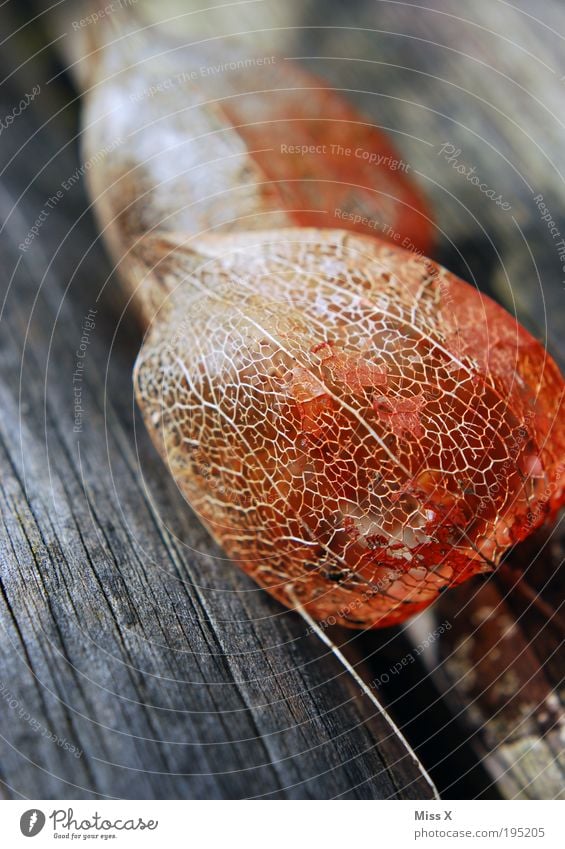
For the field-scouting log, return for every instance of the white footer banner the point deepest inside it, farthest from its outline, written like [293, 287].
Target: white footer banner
[283, 825]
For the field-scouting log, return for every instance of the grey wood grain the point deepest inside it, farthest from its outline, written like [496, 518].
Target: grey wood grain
[136, 661]
[126, 633]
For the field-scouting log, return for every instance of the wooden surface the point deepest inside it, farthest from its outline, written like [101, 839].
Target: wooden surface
[125, 632]
[137, 643]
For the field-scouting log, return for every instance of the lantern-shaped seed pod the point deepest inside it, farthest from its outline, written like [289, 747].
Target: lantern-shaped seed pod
[357, 427]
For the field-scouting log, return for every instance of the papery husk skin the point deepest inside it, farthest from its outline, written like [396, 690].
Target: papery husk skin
[358, 428]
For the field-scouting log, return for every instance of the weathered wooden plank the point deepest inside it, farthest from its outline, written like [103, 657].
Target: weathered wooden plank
[126, 634]
[468, 92]
[430, 78]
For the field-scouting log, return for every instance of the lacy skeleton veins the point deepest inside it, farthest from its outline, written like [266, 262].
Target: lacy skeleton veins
[357, 427]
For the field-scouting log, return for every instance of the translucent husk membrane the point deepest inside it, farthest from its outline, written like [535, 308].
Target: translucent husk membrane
[358, 428]
[348, 419]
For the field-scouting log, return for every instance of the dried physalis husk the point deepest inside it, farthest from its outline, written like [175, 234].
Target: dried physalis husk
[356, 426]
